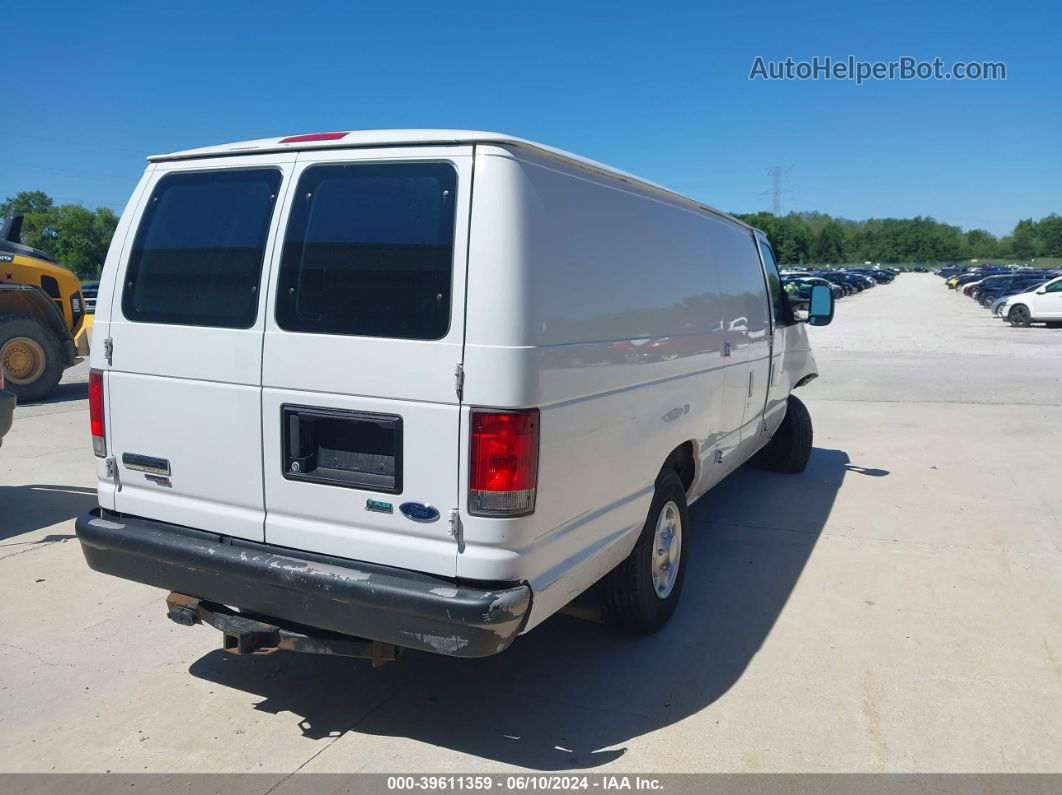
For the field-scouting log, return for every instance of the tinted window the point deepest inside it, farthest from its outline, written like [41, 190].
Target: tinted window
[774, 284]
[1055, 287]
[197, 256]
[368, 251]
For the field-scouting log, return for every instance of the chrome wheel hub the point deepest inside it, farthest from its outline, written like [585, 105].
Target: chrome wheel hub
[667, 549]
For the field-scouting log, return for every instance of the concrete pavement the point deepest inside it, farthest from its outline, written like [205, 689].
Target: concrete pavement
[895, 608]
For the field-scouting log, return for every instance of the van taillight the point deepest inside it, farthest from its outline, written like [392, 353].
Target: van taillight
[99, 441]
[504, 462]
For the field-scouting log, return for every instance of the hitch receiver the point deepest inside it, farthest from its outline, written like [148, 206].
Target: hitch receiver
[242, 634]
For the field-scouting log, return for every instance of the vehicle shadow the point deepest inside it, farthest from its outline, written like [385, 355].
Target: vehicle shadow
[27, 508]
[570, 694]
[874, 473]
[62, 393]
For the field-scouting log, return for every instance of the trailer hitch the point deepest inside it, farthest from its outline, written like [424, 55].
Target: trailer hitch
[244, 634]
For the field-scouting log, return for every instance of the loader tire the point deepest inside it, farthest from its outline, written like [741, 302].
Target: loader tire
[31, 357]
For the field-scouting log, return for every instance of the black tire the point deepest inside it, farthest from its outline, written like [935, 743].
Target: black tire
[790, 447]
[630, 597]
[15, 326]
[1019, 316]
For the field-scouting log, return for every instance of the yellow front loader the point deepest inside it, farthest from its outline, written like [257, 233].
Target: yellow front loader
[42, 316]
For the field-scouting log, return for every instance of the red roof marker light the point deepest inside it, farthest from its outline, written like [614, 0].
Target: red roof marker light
[302, 139]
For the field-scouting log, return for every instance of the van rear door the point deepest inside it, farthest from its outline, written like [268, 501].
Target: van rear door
[186, 321]
[360, 407]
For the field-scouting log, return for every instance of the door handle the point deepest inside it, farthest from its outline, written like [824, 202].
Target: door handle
[146, 463]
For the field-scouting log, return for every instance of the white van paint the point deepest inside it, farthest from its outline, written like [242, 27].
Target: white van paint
[635, 320]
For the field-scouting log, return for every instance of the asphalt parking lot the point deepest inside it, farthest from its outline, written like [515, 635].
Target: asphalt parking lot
[896, 608]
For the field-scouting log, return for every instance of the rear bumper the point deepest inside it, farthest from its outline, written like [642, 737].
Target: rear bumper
[7, 411]
[382, 603]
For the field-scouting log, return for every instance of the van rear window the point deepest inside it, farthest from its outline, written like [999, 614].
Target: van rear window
[369, 251]
[197, 255]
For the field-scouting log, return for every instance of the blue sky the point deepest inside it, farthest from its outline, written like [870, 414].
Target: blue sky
[658, 89]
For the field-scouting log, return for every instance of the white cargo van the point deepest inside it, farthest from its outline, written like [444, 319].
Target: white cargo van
[422, 388]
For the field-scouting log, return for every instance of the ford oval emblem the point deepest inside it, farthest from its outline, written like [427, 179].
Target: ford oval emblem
[418, 511]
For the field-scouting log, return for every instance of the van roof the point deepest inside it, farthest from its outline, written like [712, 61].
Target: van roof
[372, 138]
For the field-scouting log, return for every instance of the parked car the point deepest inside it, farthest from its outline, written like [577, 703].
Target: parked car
[880, 275]
[8, 401]
[835, 290]
[90, 290]
[985, 283]
[854, 285]
[863, 279]
[837, 278]
[392, 437]
[1042, 305]
[961, 281]
[1013, 284]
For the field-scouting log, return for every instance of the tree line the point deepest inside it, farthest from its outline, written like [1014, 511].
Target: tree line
[817, 238]
[78, 237]
[75, 236]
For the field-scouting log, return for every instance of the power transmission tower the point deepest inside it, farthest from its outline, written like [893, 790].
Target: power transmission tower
[776, 173]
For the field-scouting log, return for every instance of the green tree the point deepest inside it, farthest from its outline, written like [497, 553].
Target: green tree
[82, 237]
[828, 245]
[1024, 235]
[38, 220]
[789, 236]
[1049, 234]
[76, 236]
[25, 203]
[979, 244]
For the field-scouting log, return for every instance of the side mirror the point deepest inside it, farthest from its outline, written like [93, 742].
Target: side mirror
[1041, 291]
[820, 307]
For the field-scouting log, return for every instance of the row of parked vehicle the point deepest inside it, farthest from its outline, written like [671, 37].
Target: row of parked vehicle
[1018, 295]
[798, 283]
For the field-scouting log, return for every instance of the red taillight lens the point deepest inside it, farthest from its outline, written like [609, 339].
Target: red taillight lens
[99, 441]
[504, 462]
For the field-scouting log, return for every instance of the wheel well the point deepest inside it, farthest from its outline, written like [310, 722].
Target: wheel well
[681, 460]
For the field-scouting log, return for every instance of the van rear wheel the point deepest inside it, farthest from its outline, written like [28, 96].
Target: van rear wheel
[790, 447]
[641, 593]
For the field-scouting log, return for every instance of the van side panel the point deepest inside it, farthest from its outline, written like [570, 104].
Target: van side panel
[600, 304]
